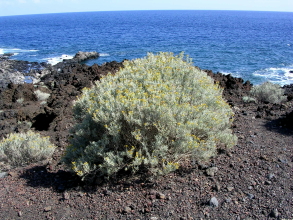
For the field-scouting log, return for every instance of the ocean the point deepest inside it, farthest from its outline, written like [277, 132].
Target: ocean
[257, 46]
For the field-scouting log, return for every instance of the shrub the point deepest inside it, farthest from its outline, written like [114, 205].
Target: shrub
[42, 96]
[24, 148]
[154, 113]
[25, 123]
[248, 99]
[20, 100]
[268, 92]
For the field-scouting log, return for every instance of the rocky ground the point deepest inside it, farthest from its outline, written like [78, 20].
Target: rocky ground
[251, 181]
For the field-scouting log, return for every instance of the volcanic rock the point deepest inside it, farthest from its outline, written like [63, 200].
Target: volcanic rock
[83, 56]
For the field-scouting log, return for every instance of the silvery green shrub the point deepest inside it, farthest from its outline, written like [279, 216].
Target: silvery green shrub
[25, 148]
[248, 99]
[268, 92]
[153, 114]
[42, 96]
[20, 100]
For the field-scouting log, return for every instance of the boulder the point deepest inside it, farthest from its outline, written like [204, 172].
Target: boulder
[83, 56]
[8, 54]
[5, 56]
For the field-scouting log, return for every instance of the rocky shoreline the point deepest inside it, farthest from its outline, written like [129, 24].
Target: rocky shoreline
[18, 71]
[251, 181]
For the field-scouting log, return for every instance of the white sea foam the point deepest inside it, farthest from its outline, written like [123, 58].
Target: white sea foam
[23, 50]
[55, 60]
[104, 54]
[15, 51]
[5, 50]
[226, 73]
[229, 73]
[280, 76]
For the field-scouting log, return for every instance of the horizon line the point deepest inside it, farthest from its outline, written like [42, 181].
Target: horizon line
[146, 10]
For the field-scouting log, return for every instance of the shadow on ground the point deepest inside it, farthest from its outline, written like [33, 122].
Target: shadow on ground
[60, 181]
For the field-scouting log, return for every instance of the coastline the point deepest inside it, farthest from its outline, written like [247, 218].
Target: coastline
[253, 180]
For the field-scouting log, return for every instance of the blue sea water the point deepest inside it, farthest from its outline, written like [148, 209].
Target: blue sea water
[257, 46]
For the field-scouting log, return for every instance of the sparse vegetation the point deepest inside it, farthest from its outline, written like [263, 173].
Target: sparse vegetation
[42, 96]
[20, 100]
[248, 99]
[268, 92]
[24, 148]
[26, 123]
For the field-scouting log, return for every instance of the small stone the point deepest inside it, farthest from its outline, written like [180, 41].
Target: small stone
[268, 182]
[214, 202]
[253, 183]
[217, 187]
[48, 208]
[127, 209]
[153, 192]
[107, 192]
[264, 157]
[271, 176]
[212, 171]
[202, 166]
[154, 218]
[283, 160]
[19, 214]
[3, 174]
[290, 164]
[152, 197]
[160, 196]
[230, 188]
[148, 204]
[66, 196]
[236, 109]
[13, 174]
[33, 198]
[274, 213]
[250, 196]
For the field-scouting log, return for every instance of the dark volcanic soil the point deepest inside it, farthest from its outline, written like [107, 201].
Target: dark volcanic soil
[251, 181]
